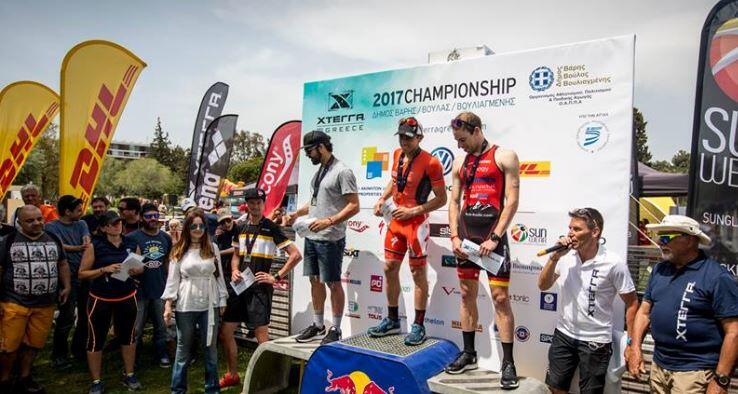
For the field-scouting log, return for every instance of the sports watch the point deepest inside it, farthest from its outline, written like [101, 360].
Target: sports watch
[722, 380]
[495, 237]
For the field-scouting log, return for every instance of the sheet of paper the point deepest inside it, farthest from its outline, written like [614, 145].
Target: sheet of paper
[247, 279]
[132, 261]
[491, 262]
[387, 209]
[301, 226]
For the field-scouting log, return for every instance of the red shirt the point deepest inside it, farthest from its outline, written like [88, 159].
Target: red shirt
[488, 186]
[426, 173]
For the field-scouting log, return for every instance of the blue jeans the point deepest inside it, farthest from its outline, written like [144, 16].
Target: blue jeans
[324, 259]
[153, 309]
[186, 322]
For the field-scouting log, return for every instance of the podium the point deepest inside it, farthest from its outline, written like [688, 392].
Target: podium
[364, 365]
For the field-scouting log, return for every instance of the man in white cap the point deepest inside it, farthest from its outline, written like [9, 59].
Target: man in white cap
[691, 305]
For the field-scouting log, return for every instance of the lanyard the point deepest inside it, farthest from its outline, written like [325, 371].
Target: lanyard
[318, 179]
[251, 241]
[402, 178]
[469, 175]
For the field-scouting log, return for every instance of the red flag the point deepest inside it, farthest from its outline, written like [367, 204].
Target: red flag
[278, 163]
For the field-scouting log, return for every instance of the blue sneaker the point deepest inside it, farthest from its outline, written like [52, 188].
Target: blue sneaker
[416, 336]
[131, 383]
[97, 388]
[386, 327]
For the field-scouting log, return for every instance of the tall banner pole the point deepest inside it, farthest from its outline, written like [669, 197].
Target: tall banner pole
[279, 162]
[216, 157]
[211, 107]
[97, 78]
[26, 110]
[713, 183]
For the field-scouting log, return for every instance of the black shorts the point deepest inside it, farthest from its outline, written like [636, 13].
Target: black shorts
[253, 307]
[101, 311]
[566, 354]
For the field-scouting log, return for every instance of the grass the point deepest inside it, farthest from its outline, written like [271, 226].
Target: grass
[154, 379]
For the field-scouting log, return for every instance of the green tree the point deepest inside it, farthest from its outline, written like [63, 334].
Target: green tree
[147, 178]
[247, 145]
[642, 152]
[106, 184]
[160, 148]
[180, 163]
[679, 163]
[42, 165]
[246, 170]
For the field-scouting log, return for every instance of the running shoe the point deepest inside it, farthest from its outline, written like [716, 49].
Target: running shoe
[30, 386]
[465, 361]
[386, 327]
[416, 336]
[164, 362]
[509, 378]
[131, 383]
[333, 335]
[229, 380]
[97, 388]
[311, 333]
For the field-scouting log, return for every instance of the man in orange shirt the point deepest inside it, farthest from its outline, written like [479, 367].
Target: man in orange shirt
[415, 173]
[32, 196]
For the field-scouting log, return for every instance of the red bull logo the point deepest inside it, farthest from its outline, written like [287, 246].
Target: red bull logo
[356, 382]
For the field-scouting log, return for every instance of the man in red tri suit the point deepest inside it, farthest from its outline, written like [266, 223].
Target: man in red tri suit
[488, 178]
[415, 173]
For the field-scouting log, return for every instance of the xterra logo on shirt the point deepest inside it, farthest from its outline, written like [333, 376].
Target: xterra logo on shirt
[681, 326]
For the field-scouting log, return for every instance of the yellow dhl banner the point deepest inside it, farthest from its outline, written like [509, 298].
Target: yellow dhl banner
[96, 80]
[535, 169]
[26, 109]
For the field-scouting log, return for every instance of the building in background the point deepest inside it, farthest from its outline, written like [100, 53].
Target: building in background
[128, 150]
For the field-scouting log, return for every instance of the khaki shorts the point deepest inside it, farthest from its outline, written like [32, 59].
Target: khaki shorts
[664, 381]
[18, 324]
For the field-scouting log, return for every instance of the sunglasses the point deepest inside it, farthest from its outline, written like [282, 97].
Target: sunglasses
[412, 122]
[310, 149]
[457, 123]
[151, 216]
[199, 226]
[664, 239]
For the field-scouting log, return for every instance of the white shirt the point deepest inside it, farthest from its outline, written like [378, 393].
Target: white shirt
[587, 292]
[192, 283]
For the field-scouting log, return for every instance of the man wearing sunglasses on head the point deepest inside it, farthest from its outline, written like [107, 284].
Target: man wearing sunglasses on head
[589, 280]
[415, 173]
[129, 208]
[691, 306]
[488, 178]
[334, 199]
[155, 246]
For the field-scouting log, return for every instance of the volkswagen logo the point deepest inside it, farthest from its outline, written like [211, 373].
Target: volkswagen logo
[446, 157]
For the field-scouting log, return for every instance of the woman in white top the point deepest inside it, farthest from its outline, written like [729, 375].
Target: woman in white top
[196, 283]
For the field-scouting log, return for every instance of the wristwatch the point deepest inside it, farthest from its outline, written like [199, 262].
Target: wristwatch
[495, 237]
[722, 380]
[277, 278]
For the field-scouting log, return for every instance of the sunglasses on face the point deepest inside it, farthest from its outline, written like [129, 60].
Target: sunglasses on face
[198, 226]
[457, 123]
[310, 149]
[664, 239]
[149, 216]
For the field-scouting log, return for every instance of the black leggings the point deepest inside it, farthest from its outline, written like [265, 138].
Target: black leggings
[99, 313]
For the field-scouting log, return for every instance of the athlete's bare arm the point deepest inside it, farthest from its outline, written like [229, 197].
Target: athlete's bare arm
[454, 206]
[507, 160]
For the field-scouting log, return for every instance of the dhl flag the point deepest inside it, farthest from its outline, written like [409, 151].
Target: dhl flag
[26, 109]
[96, 80]
[535, 169]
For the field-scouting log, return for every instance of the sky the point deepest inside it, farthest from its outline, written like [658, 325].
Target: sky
[267, 50]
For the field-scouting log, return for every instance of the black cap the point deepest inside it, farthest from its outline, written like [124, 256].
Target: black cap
[313, 138]
[409, 127]
[109, 217]
[253, 193]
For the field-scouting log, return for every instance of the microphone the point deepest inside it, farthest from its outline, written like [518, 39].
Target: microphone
[552, 249]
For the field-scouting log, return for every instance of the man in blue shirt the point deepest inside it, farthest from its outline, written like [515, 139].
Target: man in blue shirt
[75, 237]
[691, 304]
[155, 246]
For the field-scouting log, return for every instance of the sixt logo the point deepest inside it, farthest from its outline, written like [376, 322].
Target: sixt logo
[522, 333]
[356, 382]
[548, 301]
[342, 100]
[535, 169]
[448, 261]
[440, 230]
[457, 325]
[376, 162]
[357, 225]
[376, 283]
[446, 157]
[541, 79]
[546, 338]
[353, 253]
[520, 233]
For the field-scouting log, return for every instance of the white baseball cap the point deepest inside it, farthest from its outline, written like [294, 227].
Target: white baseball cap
[681, 224]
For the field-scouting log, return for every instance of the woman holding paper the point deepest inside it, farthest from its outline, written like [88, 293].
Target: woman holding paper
[196, 283]
[111, 297]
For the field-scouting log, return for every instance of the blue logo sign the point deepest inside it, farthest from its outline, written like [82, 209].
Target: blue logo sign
[522, 333]
[446, 157]
[541, 79]
[548, 301]
[593, 136]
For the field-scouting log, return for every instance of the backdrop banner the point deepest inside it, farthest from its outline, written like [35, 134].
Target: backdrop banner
[566, 110]
[216, 157]
[279, 161]
[97, 78]
[211, 107]
[26, 109]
